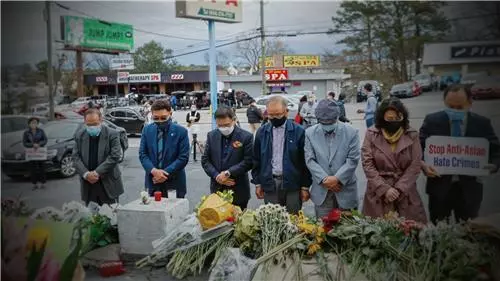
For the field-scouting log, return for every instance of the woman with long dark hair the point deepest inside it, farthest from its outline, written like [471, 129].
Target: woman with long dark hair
[391, 158]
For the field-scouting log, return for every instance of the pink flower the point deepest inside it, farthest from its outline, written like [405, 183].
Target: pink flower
[50, 268]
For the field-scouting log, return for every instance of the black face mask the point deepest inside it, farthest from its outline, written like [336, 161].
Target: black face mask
[392, 126]
[163, 124]
[277, 122]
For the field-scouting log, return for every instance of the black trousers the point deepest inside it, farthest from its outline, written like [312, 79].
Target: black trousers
[37, 172]
[459, 200]
[195, 142]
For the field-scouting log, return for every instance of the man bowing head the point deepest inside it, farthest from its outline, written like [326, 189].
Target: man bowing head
[228, 157]
[164, 152]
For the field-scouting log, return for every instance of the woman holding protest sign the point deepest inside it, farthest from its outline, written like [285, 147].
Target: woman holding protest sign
[391, 158]
[34, 138]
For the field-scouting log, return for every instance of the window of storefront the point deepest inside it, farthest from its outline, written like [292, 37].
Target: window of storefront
[110, 90]
[188, 87]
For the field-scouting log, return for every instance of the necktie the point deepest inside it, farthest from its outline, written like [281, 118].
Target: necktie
[160, 148]
[456, 129]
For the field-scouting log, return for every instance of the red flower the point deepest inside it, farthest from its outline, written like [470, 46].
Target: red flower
[335, 215]
[237, 144]
[230, 219]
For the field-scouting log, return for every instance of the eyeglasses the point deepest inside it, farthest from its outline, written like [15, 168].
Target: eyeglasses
[160, 118]
[272, 116]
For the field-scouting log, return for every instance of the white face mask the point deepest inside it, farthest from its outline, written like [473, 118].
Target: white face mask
[226, 131]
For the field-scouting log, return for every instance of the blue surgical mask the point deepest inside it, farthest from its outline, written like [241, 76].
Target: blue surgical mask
[329, 127]
[94, 131]
[455, 114]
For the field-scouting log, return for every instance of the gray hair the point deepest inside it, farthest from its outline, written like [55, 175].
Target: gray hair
[277, 99]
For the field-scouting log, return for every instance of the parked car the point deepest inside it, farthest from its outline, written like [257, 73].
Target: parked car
[470, 79]
[122, 133]
[60, 136]
[406, 90]
[361, 95]
[425, 81]
[448, 79]
[13, 123]
[293, 104]
[486, 87]
[79, 102]
[244, 98]
[129, 119]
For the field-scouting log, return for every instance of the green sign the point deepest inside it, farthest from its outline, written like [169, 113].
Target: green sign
[215, 13]
[90, 33]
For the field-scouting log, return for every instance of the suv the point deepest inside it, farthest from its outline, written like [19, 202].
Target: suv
[13, 123]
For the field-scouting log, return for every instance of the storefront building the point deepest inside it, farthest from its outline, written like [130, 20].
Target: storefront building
[462, 57]
[147, 83]
[280, 80]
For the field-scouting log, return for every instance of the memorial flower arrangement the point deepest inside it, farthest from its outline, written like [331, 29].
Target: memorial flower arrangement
[389, 248]
[27, 255]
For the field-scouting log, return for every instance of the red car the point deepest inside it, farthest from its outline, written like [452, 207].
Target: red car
[417, 89]
[486, 87]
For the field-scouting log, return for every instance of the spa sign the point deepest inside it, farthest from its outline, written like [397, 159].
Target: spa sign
[457, 155]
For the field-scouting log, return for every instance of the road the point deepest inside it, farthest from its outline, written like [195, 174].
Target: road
[59, 191]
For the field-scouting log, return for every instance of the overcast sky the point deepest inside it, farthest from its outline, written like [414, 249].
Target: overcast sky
[24, 32]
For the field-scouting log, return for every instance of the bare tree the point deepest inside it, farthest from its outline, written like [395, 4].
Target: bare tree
[249, 51]
[103, 62]
[223, 59]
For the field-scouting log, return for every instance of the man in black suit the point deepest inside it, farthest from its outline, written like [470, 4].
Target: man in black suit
[460, 194]
[228, 157]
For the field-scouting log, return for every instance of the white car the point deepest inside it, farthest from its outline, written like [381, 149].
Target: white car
[80, 101]
[293, 104]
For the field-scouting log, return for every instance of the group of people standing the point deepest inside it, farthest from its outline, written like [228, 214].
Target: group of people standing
[291, 163]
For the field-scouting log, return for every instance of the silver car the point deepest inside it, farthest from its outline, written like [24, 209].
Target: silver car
[293, 104]
[424, 80]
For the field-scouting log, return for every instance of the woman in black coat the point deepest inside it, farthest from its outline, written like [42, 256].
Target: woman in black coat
[35, 137]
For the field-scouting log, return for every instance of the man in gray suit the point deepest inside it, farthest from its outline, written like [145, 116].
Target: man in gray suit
[332, 152]
[96, 155]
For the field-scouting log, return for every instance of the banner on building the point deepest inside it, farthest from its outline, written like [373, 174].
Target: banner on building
[36, 154]
[122, 64]
[457, 155]
[276, 74]
[91, 33]
[125, 77]
[300, 61]
[178, 76]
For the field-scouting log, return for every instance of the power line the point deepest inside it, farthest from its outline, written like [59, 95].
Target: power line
[134, 28]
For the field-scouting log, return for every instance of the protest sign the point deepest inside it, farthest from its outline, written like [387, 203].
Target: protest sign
[457, 155]
[39, 154]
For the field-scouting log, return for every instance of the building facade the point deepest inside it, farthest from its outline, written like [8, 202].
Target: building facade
[320, 83]
[462, 57]
[147, 83]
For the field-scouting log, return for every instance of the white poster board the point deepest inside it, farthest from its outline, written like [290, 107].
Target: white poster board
[39, 154]
[457, 155]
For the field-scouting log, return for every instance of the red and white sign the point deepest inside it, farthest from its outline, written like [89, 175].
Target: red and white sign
[276, 74]
[101, 79]
[177, 77]
[125, 77]
[457, 155]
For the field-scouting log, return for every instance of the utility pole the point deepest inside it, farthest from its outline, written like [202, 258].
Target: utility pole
[50, 73]
[262, 49]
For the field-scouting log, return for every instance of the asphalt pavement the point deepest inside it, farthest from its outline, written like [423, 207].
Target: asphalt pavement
[59, 191]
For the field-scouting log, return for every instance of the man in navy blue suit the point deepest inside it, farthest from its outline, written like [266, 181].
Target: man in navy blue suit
[228, 157]
[164, 152]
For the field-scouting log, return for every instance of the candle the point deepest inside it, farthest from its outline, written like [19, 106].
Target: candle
[157, 195]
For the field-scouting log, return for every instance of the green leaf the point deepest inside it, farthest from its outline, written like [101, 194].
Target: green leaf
[35, 261]
[69, 265]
